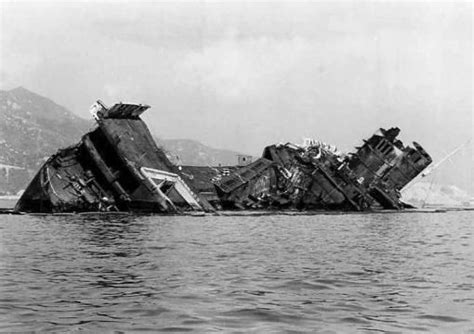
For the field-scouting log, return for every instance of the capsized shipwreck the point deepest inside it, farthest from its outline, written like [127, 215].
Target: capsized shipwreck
[118, 167]
[115, 167]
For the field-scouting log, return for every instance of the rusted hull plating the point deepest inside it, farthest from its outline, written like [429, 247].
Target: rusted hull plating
[315, 176]
[118, 167]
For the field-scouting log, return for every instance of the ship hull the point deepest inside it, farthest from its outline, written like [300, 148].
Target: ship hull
[119, 167]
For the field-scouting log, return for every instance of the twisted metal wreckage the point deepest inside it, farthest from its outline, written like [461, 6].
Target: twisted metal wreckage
[118, 167]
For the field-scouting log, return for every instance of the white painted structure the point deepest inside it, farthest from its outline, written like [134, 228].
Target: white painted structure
[161, 179]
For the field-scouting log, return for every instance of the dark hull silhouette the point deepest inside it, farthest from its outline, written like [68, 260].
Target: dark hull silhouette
[118, 167]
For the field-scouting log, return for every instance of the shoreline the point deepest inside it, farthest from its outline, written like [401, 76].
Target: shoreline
[262, 213]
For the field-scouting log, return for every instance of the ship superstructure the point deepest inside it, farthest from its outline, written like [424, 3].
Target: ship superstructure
[118, 167]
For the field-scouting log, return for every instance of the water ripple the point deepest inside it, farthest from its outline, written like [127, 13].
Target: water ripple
[389, 273]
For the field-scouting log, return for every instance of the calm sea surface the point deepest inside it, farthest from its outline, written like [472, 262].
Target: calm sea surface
[405, 272]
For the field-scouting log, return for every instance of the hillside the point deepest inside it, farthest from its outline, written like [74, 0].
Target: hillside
[193, 153]
[33, 127]
[424, 193]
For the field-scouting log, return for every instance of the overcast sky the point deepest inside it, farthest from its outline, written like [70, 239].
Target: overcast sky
[244, 75]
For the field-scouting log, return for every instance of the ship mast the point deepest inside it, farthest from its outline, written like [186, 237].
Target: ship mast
[430, 170]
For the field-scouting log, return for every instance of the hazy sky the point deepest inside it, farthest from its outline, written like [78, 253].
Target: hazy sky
[244, 75]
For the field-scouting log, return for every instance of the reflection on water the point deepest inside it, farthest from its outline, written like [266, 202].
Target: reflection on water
[341, 273]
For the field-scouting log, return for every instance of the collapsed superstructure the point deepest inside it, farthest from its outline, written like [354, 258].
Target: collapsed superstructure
[118, 167]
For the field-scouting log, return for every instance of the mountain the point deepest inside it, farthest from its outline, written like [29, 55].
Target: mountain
[425, 193]
[193, 153]
[33, 127]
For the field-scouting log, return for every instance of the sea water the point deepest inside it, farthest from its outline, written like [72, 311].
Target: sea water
[397, 272]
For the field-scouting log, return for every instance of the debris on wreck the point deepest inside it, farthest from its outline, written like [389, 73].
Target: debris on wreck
[118, 167]
[315, 176]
